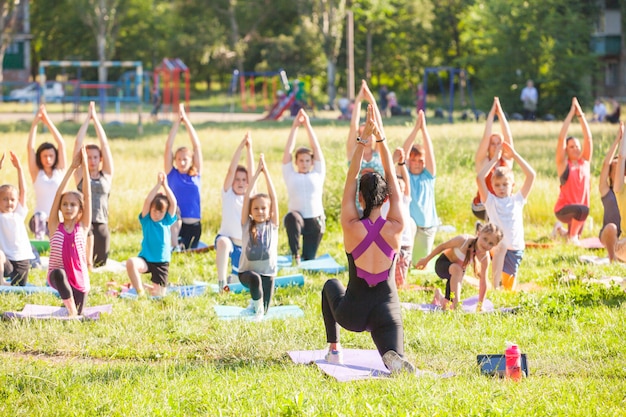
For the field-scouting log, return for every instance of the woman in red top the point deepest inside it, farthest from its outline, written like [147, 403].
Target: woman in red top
[573, 166]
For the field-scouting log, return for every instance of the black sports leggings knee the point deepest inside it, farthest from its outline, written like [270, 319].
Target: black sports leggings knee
[260, 286]
[58, 281]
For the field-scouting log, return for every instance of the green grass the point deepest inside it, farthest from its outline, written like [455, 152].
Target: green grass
[173, 357]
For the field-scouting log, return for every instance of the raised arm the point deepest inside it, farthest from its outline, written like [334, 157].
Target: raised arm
[410, 140]
[618, 182]
[561, 154]
[170, 196]
[33, 169]
[85, 219]
[193, 136]
[399, 159]
[378, 118]
[58, 138]
[349, 212]
[354, 123]
[482, 154]
[587, 150]
[603, 185]
[271, 191]
[145, 210]
[429, 153]
[232, 169]
[291, 139]
[21, 183]
[506, 130]
[529, 172]
[107, 156]
[481, 178]
[53, 217]
[78, 146]
[245, 211]
[168, 156]
[313, 141]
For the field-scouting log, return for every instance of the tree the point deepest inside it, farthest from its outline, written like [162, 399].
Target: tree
[102, 16]
[9, 10]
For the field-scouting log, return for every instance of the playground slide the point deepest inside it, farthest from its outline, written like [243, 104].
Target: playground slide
[280, 106]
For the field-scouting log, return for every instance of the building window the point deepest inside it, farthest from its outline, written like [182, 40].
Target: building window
[611, 74]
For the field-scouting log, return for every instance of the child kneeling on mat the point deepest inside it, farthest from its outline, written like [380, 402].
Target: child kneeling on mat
[456, 254]
[258, 263]
[156, 218]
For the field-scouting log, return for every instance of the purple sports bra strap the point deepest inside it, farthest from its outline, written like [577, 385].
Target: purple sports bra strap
[373, 236]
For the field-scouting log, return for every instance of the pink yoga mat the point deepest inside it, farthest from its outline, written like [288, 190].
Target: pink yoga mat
[34, 311]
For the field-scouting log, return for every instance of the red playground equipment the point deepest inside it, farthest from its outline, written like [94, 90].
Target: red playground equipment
[170, 70]
[273, 85]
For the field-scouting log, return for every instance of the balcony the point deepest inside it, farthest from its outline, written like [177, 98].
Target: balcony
[606, 45]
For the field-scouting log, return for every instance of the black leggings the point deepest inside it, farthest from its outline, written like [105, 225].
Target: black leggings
[311, 230]
[360, 308]
[58, 281]
[101, 243]
[260, 286]
[189, 234]
[573, 211]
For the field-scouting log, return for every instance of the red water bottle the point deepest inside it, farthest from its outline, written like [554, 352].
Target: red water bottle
[513, 358]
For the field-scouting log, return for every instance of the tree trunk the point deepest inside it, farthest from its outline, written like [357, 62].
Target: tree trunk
[331, 68]
[368, 54]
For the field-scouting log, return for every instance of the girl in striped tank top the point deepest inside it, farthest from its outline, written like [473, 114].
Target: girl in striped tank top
[67, 269]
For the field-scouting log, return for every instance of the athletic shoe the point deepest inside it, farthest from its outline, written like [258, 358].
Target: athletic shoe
[334, 356]
[396, 363]
[558, 231]
[259, 309]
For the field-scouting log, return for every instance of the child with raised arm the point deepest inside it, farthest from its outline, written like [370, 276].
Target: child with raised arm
[67, 268]
[46, 166]
[613, 195]
[156, 218]
[422, 174]
[573, 165]
[184, 170]
[305, 185]
[408, 232]
[454, 257]
[487, 150]
[228, 239]
[505, 210]
[100, 164]
[259, 259]
[15, 250]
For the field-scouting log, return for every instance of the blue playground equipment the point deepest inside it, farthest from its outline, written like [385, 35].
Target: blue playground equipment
[453, 73]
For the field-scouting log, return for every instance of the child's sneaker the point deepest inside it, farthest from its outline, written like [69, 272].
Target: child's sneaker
[334, 356]
[396, 363]
[259, 309]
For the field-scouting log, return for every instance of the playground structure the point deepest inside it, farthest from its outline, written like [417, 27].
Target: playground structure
[282, 97]
[458, 74]
[170, 71]
[105, 92]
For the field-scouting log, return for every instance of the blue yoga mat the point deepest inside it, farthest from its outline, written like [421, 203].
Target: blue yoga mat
[324, 263]
[282, 281]
[182, 290]
[28, 289]
[278, 312]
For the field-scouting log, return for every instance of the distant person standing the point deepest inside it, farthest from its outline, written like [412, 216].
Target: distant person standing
[384, 102]
[156, 103]
[529, 97]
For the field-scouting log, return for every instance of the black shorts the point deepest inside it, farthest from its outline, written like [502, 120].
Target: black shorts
[159, 271]
[17, 271]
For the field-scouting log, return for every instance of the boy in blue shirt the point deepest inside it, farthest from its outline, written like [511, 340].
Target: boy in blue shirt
[156, 218]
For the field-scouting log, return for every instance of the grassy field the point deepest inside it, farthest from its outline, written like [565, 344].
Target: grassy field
[175, 358]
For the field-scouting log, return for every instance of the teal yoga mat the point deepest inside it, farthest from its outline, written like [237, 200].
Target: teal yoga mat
[239, 313]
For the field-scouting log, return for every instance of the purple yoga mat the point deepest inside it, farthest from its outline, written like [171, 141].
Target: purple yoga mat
[357, 363]
[468, 305]
[34, 311]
